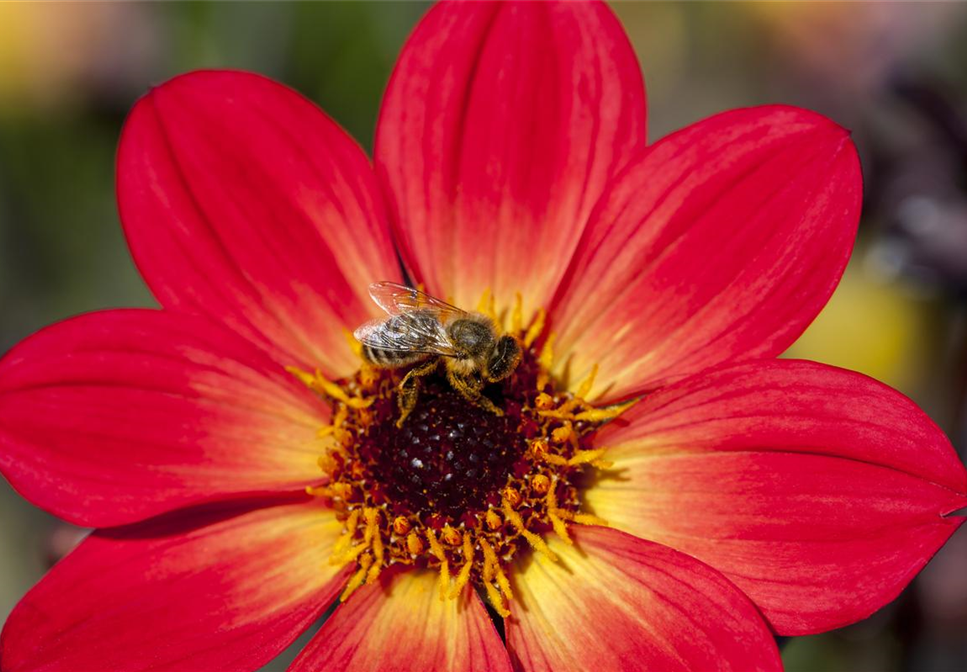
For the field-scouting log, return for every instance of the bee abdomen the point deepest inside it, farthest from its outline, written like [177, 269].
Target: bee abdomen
[390, 359]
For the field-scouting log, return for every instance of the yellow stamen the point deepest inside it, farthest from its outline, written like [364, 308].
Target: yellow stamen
[319, 383]
[512, 497]
[487, 305]
[588, 383]
[603, 414]
[586, 456]
[441, 555]
[357, 580]
[492, 569]
[343, 542]
[463, 578]
[534, 540]
[560, 527]
[401, 525]
[517, 316]
[563, 433]
[543, 402]
[413, 544]
[492, 519]
[589, 519]
[496, 601]
[540, 483]
[546, 361]
[451, 536]
[537, 326]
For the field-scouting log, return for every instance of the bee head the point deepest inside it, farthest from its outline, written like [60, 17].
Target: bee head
[473, 337]
[503, 359]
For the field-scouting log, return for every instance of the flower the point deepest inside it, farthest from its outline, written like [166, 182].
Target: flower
[744, 495]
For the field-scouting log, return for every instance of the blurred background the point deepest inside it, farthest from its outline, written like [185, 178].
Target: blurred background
[894, 73]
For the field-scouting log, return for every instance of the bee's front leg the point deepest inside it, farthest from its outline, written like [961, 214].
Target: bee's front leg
[409, 388]
[471, 387]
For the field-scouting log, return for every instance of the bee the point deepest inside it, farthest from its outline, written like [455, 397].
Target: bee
[428, 332]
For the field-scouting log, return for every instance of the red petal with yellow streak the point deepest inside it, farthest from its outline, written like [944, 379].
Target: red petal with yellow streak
[819, 492]
[113, 417]
[225, 590]
[500, 128]
[615, 602]
[244, 201]
[400, 624]
[722, 242]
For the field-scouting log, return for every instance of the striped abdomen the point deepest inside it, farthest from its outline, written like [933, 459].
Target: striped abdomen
[391, 359]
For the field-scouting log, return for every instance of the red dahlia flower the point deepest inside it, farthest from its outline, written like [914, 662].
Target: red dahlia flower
[246, 469]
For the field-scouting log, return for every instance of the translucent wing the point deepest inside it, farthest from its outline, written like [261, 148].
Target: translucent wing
[416, 332]
[399, 299]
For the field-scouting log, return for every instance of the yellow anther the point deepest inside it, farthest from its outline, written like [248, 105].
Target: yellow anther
[317, 490]
[463, 578]
[552, 458]
[451, 536]
[537, 326]
[401, 525]
[357, 579]
[604, 414]
[534, 540]
[496, 601]
[341, 491]
[539, 448]
[493, 570]
[560, 527]
[554, 514]
[413, 544]
[371, 516]
[540, 483]
[546, 361]
[492, 519]
[319, 383]
[326, 463]
[588, 383]
[563, 433]
[586, 456]
[511, 497]
[544, 401]
[437, 549]
[589, 519]
[517, 316]
[486, 305]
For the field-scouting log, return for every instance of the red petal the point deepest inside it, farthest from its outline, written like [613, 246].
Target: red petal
[615, 602]
[501, 126]
[210, 592]
[722, 242]
[112, 417]
[242, 200]
[820, 492]
[400, 624]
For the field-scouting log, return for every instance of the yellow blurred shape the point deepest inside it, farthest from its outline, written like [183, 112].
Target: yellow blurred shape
[871, 326]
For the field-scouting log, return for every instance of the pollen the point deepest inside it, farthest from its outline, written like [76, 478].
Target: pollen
[454, 486]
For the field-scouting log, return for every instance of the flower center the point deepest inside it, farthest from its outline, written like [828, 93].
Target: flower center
[457, 486]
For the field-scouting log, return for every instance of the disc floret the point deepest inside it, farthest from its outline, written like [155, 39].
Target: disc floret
[455, 487]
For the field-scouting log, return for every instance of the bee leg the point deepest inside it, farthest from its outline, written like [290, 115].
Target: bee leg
[409, 388]
[472, 390]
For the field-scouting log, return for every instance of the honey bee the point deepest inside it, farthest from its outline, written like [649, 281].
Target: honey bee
[422, 329]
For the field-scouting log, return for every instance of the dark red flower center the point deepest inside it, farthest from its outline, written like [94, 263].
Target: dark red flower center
[455, 486]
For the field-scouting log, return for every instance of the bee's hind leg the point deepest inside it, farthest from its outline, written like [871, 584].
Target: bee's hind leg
[472, 390]
[409, 388]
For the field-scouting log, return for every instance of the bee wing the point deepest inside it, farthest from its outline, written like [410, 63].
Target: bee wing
[398, 299]
[407, 332]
